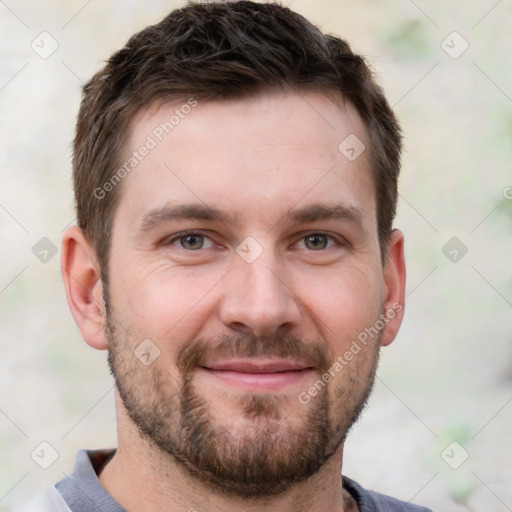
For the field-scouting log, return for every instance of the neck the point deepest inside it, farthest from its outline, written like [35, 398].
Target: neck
[140, 478]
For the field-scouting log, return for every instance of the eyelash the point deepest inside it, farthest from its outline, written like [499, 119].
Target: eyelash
[184, 234]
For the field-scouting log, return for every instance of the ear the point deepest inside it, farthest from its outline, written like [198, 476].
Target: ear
[84, 289]
[394, 287]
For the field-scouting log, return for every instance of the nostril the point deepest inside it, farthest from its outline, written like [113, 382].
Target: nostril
[240, 327]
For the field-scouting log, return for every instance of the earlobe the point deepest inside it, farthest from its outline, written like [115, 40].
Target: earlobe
[394, 287]
[84, 289]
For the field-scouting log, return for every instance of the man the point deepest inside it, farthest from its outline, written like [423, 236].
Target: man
[235, 175]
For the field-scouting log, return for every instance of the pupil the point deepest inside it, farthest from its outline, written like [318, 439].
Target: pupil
[192, 242]
[317, 241]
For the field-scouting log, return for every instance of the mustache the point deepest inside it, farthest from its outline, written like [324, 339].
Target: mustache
[198, 352]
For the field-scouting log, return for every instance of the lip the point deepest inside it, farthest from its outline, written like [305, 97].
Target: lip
[257, 365]
[255, 375]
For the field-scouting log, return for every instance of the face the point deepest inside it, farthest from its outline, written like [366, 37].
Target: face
[245, 254]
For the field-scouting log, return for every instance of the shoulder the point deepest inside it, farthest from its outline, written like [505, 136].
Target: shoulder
[69, 493]
[49, 500]
[372, 501]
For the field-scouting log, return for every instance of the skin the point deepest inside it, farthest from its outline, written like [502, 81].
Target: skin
[256, 160]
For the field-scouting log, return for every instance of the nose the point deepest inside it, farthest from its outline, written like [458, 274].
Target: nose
[258, 298]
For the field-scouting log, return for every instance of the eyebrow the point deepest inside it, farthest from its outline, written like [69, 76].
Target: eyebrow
[316, 212]
[187, 211]
[197, 211]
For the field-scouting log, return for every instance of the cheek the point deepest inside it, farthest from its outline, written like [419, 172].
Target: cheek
[167, 306]
[343, 303]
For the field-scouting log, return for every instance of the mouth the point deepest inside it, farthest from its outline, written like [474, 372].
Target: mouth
[264, 375]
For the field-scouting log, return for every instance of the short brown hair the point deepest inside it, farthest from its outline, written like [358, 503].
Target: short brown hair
[214, 52]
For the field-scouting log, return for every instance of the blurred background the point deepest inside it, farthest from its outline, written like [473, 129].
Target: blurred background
[438, 429]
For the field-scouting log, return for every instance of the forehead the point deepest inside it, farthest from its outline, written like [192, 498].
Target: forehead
[256, 157]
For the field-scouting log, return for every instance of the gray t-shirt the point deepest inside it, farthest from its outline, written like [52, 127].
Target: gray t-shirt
[81, 491]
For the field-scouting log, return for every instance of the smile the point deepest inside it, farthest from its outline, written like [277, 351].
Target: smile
[258, 375]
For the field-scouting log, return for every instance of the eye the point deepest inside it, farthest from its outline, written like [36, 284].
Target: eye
[317, 242]
[192, 241]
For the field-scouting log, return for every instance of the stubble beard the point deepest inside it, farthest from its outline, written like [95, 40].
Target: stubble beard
[265, 455]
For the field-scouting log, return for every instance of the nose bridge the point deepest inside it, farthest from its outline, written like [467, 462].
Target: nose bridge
[257, 297]
[262, 278]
